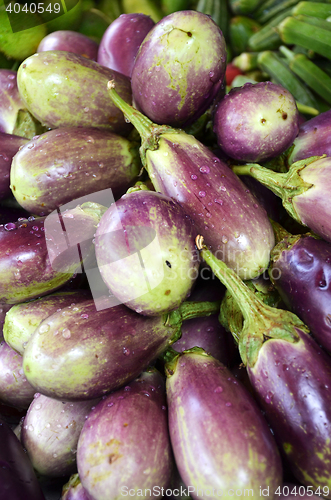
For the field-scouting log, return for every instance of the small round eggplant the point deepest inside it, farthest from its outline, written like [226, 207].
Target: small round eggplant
[256, 122]
[15, 390]
[70, 41]
[50, 433]
[124, 445]
[9, 145]
[179, 69]
[63, 165]
[146, 253]
[121, 41]
[300, 269]
[17, 477]
[235, 226]
[22, 319]
[219, 437]
[62, 89]
[10, 100]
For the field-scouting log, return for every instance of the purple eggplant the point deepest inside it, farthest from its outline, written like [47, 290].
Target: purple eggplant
[62, 89]
[35, 255]
[300, 269]
[22, 319]
[74, 490]
[219, 437]
[121, 41]
[81, 353]
[124, 447]
[67, 163]
[17, 477]
[15, 390]
[9, 145]
[50, 433]
[256, 122]
[10, 100]
[304, 190]
[314, 138]
[179, 69]
[70, 41]
[235, 226]
[290, 375]
[146, 253]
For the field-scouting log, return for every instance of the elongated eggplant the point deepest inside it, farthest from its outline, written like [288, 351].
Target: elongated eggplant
[179, 69]
[81, 353]
[9, 145]
[121, 41]
[15, 390]
[62, 89]
[10, 100]
[146, 253]
[304, 190]
[124, 447]
[17, 477]
[300, 269]
[33, 264]
[70, 41]
[314, 138]
[235, 226]
[50, 433]
[24, 318]
[220, 439]
[256, 122]
[62, 165]
[290, 375]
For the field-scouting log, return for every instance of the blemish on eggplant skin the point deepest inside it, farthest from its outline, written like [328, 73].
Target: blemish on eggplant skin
[263, 120]
[167, 292]
[27, 368]
[284, 115]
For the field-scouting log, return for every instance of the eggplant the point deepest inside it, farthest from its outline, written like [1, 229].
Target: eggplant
[15, 390]
[145, 251]
[304, 190]
[9, 145]
[179, 69]
[17, 477]
[62, 89]
[80, 353]
[124, 446]
[70, 41]
[22, 319]
[10, 100]
[256, 122]
[235, 226]
[121, 41]
[50, 433]
[313, 138]
[74, 490]
[300, 269]
[39, 255]
[290, 375]
[62, 165]
[219, 437]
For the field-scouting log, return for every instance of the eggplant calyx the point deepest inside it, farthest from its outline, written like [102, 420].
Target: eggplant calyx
[171, 358]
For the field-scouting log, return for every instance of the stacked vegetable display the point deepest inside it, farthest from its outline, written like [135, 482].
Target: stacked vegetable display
[139, 266]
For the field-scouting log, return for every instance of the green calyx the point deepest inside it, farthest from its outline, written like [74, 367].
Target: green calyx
[261, 321]
[171, 357]
[285, 185]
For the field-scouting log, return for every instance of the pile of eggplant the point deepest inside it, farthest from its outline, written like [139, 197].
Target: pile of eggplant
[165, 260]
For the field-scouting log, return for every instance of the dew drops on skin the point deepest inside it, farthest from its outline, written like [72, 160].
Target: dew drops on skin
[126, 351]
[66, 333]
[218, 389]
[202, 194]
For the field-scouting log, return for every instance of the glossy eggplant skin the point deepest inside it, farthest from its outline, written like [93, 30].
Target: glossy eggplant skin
[235, 227]
[218, 434]
[121, 41]
[9, 145]
[124, 444]
[300, 269]
[17, 477]
[70, 41]
[62, 89]
[10, 100]
[179, 69]
[62, 165]
[81, 353]
[314, 138]
[292, 382]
